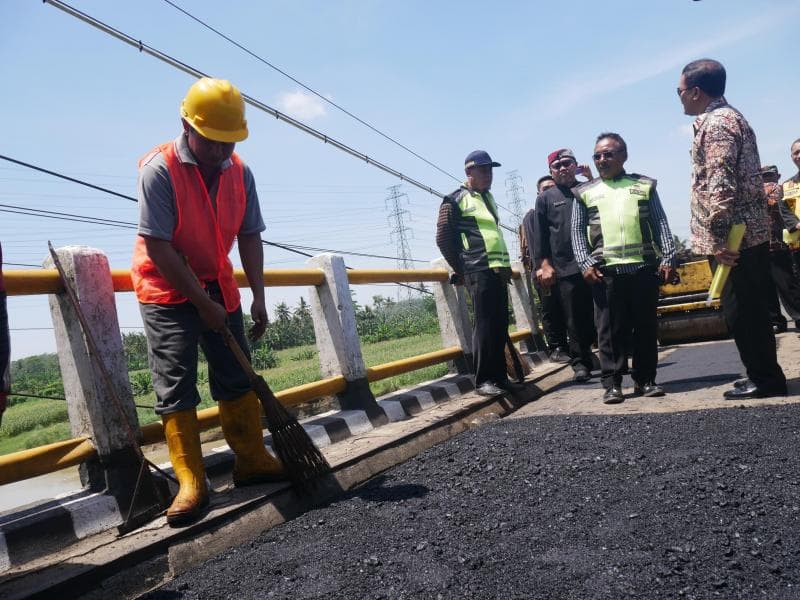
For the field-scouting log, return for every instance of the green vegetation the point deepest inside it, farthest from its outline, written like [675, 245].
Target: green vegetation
[389, 331]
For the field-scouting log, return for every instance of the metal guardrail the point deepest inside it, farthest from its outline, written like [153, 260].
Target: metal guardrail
[25, 464]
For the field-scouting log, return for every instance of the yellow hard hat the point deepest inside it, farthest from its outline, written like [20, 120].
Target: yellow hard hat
[215, 109]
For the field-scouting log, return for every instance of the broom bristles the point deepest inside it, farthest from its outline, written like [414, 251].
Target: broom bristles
[300, 456]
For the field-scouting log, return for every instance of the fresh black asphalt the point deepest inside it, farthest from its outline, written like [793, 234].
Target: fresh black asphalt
[701, 504]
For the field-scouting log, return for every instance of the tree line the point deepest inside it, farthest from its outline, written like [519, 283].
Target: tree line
[384, 319]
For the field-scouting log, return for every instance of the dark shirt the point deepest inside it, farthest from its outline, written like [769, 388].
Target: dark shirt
[779, 215]
[552, 231]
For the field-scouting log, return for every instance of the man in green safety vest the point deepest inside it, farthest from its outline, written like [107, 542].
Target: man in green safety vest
[624, 248]
[469, 237]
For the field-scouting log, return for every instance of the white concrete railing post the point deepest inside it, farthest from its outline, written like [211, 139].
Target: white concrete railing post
[454, 325]
[525, 313]
[337, 339]
[92, 412]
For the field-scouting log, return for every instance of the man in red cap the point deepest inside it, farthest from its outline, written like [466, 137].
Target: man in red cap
[549, 226]
[469, 238]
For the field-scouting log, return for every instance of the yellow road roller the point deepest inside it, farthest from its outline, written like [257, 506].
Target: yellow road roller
[683, 315]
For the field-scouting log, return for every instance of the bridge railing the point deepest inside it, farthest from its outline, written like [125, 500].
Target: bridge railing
[101, 428]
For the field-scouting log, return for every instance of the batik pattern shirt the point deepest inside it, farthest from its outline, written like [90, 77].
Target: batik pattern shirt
[726, 185]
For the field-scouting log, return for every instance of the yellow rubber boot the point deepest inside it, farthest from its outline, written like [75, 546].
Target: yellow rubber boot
[241, 424]
[183, 440]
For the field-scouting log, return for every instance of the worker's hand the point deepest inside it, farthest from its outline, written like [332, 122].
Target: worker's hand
[669, 274]
[258, 311]
[548, 275]
[213, 314]
[592, 275]
[456, 279]
[726, 256]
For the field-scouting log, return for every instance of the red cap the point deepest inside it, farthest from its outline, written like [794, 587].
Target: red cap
[560, 153]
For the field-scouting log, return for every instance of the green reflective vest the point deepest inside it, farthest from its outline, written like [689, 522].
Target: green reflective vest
[484, 246]
[619, 224]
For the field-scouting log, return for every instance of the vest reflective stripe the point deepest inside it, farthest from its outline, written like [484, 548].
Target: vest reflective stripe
[619, 226]
[791, 195]
[472, 206]
[204, 236]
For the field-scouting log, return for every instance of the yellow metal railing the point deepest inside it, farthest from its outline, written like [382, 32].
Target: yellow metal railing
[44, 459]
[53, 457]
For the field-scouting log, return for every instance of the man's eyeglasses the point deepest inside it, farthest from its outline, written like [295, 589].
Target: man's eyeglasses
[606, 154]
[681, 90]
[555, 166]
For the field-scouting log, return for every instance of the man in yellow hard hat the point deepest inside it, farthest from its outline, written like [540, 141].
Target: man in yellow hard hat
[196, 197]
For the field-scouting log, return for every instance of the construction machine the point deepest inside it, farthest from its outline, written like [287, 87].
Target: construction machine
[683, 315]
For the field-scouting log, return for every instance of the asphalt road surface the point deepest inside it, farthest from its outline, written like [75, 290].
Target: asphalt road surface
[699, 503]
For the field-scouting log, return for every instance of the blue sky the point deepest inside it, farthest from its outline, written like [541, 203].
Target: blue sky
[518, 79]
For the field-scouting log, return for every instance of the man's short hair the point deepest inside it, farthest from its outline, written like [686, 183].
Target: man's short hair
[797, 141]
[542, 179]
[613, 136]
[707, 74]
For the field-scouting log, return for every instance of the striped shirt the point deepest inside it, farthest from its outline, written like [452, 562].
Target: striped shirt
[662, 236]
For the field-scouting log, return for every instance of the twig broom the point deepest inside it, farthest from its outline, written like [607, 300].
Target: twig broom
[301, 458]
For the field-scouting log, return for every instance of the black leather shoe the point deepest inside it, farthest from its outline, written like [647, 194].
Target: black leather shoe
[559, 355]
[751, 390]
[581, 375]
[613, 395]
[488, 389]
[742, 382]
[650, 389]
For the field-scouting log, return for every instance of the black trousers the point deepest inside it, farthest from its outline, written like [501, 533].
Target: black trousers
[489, 295]
[625, 314]
[552, 315]
[787, 287]
[746, 309]
[578, 307]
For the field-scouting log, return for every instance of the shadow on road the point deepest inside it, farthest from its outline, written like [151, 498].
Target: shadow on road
[689, 384]
[375, 491]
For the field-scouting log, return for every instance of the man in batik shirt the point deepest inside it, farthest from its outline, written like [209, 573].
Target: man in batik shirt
[726, 189]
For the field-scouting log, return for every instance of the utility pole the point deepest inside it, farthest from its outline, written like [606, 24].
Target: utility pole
[400, 233]
[515, 196]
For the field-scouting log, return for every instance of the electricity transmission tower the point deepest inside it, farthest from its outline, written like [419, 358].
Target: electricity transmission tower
[400, 233]
[515, 197]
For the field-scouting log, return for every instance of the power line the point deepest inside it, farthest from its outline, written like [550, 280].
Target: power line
[303, 85]
[10, 208]
[54, 174]
[162, 56]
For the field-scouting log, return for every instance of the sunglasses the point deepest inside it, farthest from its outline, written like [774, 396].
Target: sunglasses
[562, 163]
[607, 154]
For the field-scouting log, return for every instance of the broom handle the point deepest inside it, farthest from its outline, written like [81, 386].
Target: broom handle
[227, 335]
[238, 353]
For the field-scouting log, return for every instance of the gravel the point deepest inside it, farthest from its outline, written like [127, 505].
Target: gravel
[700, 504]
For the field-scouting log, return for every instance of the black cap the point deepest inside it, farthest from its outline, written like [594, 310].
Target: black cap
[479, 158]
[770, 170]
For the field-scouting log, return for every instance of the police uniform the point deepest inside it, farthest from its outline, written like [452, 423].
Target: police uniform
[469, 237]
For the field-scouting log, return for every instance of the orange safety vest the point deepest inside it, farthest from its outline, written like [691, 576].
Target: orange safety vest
[202, 235]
